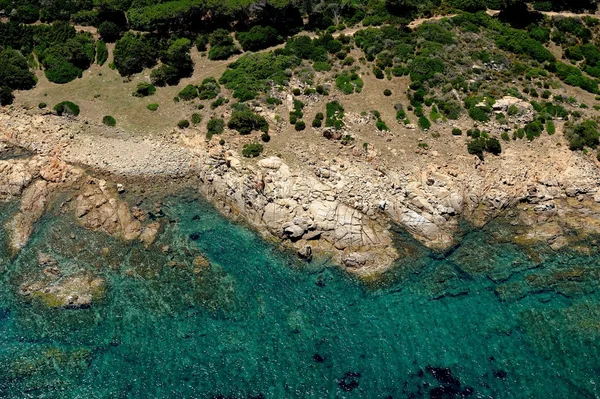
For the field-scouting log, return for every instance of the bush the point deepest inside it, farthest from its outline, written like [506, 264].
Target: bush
[6, 96]
[218, 102]
[317, 123]
[456, 132]
[109, 31]
[381, 126]
[221, 45]
[109, 121]
[144, 89]
[164, 75]
[335, 115]
[387, 92]
[505, 136]
[476, 147]
[183, 124]
[66, 107]
[378, 73]
[424, 123]
[245, 122]
[254, 73]
[252, 150]
[299, 125]
[322, 66]
[101, 52]
[152, 107]
[215, 126]
[196, 118]
[259, 37]
[201, 42]
[188, 93]
[550, 127]
[584, 134]
[14, 71]
[208, 89]
[349, 82]
[492, 145]
[265, 137]
[42, 105]
[133, 53]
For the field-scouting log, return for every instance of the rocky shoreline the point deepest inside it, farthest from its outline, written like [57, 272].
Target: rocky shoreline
[343, 206]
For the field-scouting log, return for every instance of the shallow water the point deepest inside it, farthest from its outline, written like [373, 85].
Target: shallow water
[488, 320]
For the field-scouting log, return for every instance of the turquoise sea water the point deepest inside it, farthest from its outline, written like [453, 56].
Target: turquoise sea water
[488, 320]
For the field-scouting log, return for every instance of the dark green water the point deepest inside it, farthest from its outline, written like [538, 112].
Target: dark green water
[489, 320]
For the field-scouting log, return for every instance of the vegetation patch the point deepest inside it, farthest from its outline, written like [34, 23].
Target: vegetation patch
[66, 108]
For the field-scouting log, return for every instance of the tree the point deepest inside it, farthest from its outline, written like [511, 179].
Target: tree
[246, 121]
[133, 53]
[14, 71]
[258, 38]
[109, 31]
[6, 95]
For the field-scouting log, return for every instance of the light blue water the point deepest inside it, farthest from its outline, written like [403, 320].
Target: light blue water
[261, 324]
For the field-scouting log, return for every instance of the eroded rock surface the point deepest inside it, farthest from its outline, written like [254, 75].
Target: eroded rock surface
[77, 291]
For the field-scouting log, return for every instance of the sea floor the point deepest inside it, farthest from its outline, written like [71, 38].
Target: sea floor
[488, 320]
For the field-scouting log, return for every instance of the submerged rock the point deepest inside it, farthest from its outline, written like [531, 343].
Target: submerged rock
[73, 292]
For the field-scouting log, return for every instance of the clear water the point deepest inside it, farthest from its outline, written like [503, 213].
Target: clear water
[260, 324]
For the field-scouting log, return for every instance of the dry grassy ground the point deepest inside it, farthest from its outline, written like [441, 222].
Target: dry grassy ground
[102, 91]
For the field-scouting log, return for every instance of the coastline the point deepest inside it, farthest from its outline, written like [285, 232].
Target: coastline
[344, 209]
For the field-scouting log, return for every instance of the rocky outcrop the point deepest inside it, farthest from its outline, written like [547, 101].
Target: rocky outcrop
[35, 180]
[74, 292]
[297, 209]
[343, 205]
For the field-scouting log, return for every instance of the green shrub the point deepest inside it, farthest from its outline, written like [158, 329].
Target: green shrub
[67, 108]
[378, 73]
[252, 150]
[134, 52]
[424, 123]
[265, 137]
[259, 37]
[152, 107]
[245, 121]
[349, 82]
[456, 132]
[387, 92]
[164, 75]
[550, 127]
[109, 121]
[201, 42]
[322, 66]
[476, 147]
[109, 31]
[188, 93]
[335, 115]
[42, 105]
[584, 134]
[215, 126]
[300, 125]
[208, 89]
[504, 136]
[6, 95]
[317, 122]
[183, 124]
[101, 52]
[196, 118]
[492, 145]
[218, 102]
[254, 73]
[221, 45]
[144, 89]
[381, 126]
